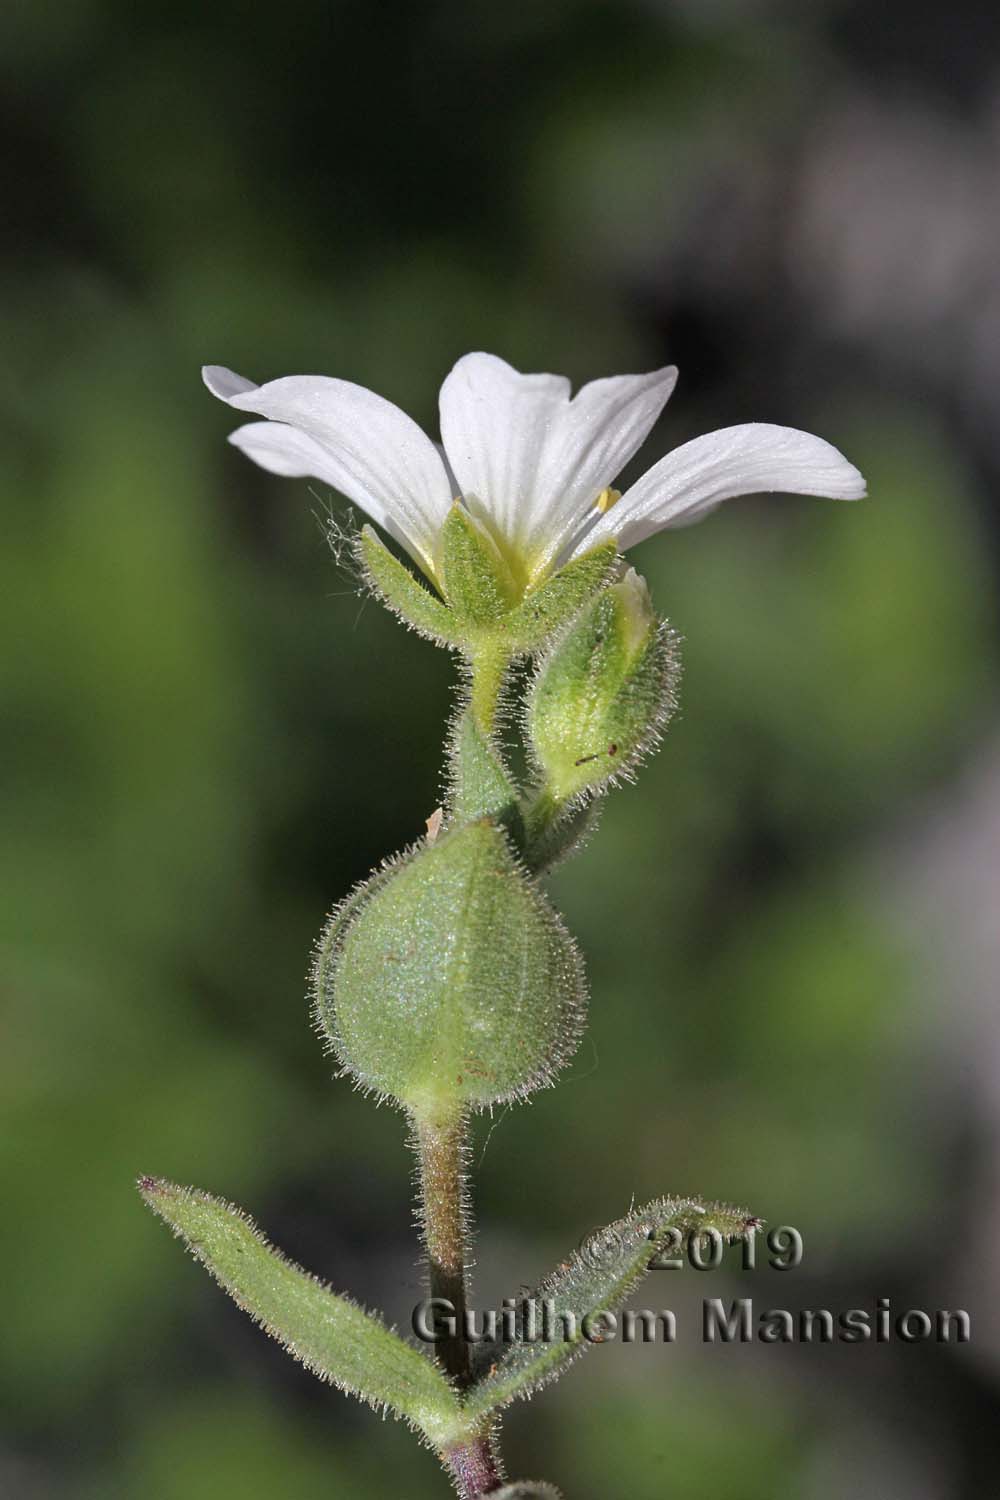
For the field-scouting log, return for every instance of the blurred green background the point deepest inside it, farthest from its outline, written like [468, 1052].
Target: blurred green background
[791, 924]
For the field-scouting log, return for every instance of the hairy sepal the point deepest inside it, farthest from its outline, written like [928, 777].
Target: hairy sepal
[477, 581]
[329, 1333]
[548, 608]
[393, 583]
[482, 610]
[595, 1280]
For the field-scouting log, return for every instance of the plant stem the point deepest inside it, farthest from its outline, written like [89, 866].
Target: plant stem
[442, 1150]
[475, 1467]
[488, 663]
[540, 812]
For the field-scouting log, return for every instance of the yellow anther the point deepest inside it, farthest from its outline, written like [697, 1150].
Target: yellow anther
[606, 499]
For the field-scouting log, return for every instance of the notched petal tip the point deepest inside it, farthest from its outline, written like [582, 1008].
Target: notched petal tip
[854, 485]
[224, 383]
[804, 464]
[479, 366]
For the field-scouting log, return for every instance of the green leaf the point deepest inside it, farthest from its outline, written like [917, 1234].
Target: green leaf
[595, 1280]
[480, 786]
[551, 605]
[396, 586]
[331, 1335]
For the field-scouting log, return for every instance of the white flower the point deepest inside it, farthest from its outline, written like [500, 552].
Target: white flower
[531, 463]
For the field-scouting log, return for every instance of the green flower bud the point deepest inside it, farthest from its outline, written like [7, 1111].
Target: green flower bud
[603, 694]
[449, 979]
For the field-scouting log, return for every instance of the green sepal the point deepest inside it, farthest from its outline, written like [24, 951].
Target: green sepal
[476, 580]
[596, 1279]
[404, 594]
[553, 603]
[479, 784]
[331, 1335]
[602, 695]
[454, 982]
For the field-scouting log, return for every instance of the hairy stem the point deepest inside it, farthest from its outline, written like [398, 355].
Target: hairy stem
[442, 1149]
[540, 812]
[475, 1467]
[488, 664]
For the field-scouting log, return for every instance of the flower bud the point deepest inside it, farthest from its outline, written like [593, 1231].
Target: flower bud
[449, 979]
[603, 694]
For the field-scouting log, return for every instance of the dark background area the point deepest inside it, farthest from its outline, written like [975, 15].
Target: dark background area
[790, 924]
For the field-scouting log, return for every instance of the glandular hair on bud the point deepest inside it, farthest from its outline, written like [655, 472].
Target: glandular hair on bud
[450, 980]
[603, 694]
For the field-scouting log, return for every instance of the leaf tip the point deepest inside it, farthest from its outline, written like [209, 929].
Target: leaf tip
[154, 1189]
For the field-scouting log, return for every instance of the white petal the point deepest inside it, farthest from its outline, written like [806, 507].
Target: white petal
[455, 487]
[352, 439]
[293, 454]
[226, 383]
[602, 428]
[283, 450]
[533, 460]
[495, 423]
[695, 478]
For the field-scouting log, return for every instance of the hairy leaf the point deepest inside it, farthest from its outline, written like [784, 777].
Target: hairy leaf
[480, 785]
[330, 1334]
[595, 1280]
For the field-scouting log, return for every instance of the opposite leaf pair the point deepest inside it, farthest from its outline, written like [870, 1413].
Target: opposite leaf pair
[354, 1350]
